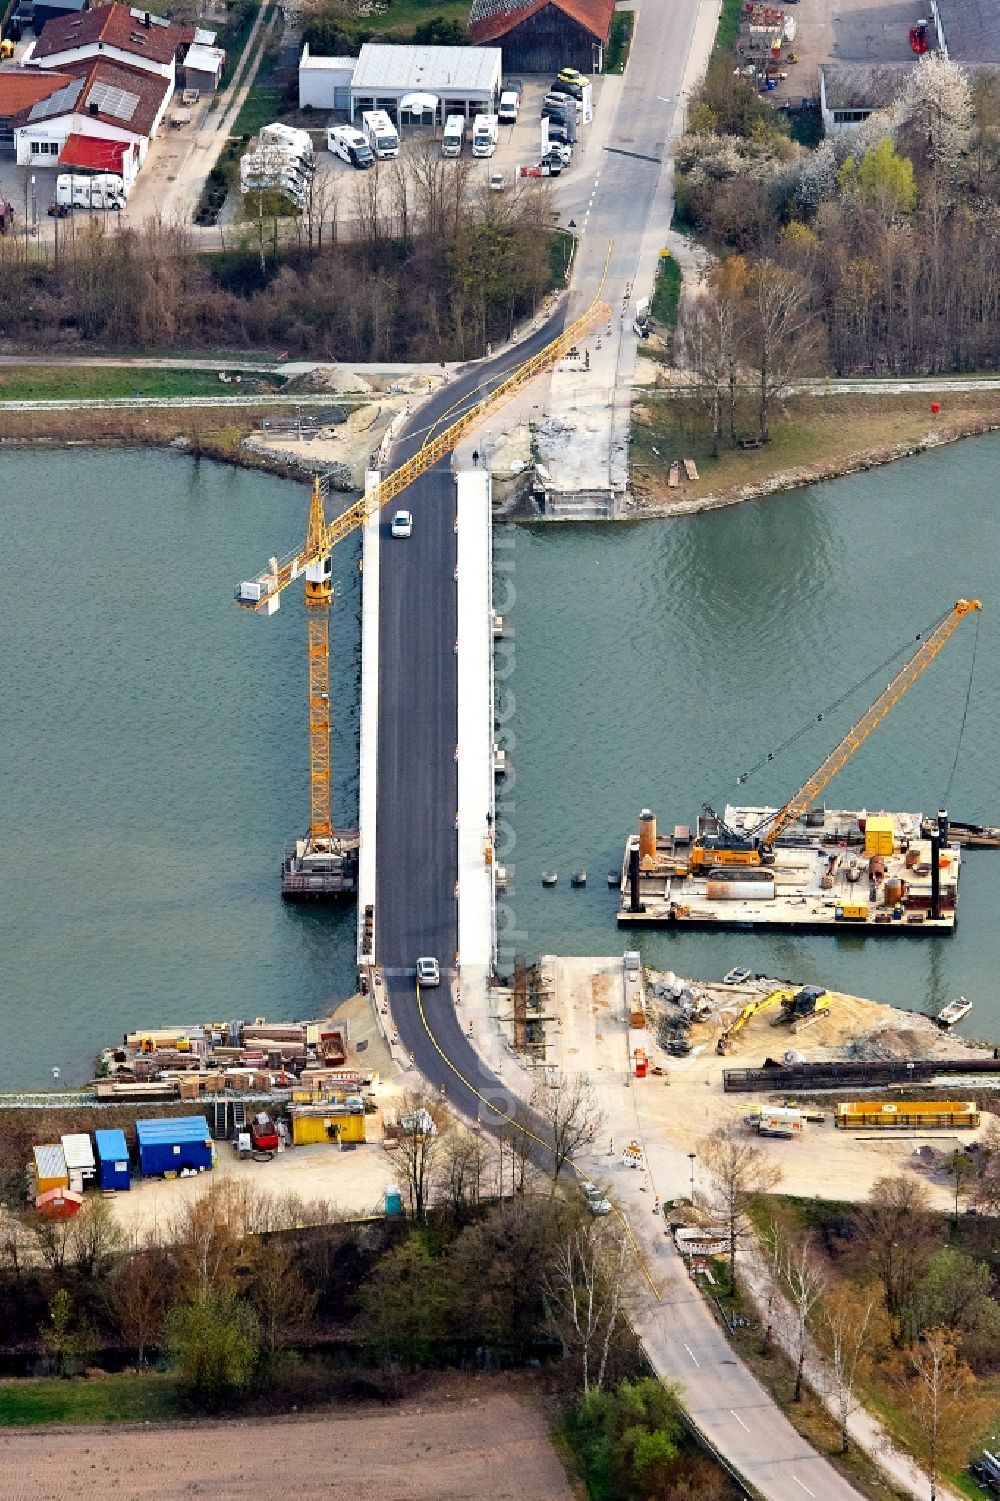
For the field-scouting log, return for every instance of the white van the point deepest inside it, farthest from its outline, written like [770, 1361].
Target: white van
[453, 138]
[510, 103]
[350, 145]
[484, 135]
[380, 133]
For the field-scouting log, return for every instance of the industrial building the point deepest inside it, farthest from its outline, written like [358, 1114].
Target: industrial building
[461, 81]
[325, 82]
[112, 1159]
[542, 36]
[167, 1146]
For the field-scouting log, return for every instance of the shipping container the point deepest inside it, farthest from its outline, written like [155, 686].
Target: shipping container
[330, 1123]
[112, 1159]
[167, 1146]
[878, 835]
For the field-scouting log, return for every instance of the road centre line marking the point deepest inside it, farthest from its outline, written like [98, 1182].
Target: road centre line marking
[739, 1419]
[691, 1353]
[534, 1137]
[804, 1486]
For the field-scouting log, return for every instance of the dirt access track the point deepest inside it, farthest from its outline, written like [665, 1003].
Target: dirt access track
[441, 1450]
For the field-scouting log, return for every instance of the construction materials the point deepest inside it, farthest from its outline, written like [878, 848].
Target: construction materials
[907, 1115]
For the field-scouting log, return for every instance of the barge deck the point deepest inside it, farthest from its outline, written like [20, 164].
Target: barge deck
[823, 873]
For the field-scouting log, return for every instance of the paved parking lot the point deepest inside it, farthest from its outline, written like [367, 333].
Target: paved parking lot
[841, 31]
[16, 186]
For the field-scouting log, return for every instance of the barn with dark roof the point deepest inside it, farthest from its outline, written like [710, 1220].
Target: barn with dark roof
[542, 36]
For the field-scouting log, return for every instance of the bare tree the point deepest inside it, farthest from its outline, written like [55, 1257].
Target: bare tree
[459, 1178]
[943, 1399]
[737, 1171]
[138, 1294]
[710, 341]
[774, 1244]
[97, 1235]
[899, 1236]
[422, 1123]
[585, 1291]
[848, 1317]
[278, 1292]
[781, 331]
[806, 1285]
[569, 1109]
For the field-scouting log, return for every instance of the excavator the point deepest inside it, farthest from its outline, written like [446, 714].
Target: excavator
[725, 846]
[759, 1003]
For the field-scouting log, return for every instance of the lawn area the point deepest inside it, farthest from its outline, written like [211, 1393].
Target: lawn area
[403, 16]
[91, 382]
[115, 1399]
[262, 105]
[666, 292]
[818, 434]
[560, 253]
[729, 25]
[619, 41]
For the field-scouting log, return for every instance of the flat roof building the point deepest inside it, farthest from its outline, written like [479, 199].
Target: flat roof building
[462, 80]
[325, 82]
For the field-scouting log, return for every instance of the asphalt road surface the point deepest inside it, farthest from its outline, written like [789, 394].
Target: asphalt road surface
[416, 911]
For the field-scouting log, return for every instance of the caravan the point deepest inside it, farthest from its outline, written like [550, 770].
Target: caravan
[350, 145]
[484, 135]
[381, 134]
[105, 190]
[453, 138]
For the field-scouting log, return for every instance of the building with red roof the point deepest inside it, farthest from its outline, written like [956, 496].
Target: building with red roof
[133, 37]
[96, 98]
[542, 36]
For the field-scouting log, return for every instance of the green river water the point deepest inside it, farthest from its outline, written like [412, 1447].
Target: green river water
[155, 751]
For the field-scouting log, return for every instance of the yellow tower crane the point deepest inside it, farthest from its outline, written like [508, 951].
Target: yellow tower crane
[756, 846]
[324, 864]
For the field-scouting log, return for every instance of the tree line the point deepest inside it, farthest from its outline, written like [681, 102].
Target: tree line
[899, 1299]
[874, 250]
[430, 275]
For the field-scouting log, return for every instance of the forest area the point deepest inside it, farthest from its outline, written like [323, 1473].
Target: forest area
[871, 253]
[428, 275]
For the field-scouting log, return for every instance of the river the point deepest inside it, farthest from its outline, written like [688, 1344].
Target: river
[655, 662]
[155, 756]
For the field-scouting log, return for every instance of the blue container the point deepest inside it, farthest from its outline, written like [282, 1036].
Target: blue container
[167, 1146]
[112, 1159]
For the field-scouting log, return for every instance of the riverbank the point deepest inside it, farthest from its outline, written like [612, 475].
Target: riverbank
[815, 438]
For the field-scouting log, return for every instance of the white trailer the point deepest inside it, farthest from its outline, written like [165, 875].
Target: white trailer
[779, 1120]
[297, 141]
[484, 135]
[381, 134]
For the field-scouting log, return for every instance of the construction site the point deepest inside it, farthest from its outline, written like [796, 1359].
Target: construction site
[802, 866]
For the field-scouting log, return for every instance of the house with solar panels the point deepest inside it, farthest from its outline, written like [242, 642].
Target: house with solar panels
[542, 36]
[107, 113]
[115, 32]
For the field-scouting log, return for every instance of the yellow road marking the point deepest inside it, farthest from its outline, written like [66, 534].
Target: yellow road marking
[531, 1134]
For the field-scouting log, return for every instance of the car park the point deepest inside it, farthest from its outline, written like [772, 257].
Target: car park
[402, 524]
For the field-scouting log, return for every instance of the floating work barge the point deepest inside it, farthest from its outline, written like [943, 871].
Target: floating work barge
[828, 869]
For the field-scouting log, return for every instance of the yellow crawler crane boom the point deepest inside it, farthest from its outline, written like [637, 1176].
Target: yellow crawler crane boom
[262, 593]
[859, 732]
[319, 594]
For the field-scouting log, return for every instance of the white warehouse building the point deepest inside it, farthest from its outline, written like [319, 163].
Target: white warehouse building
[325, 82]
[461, 81]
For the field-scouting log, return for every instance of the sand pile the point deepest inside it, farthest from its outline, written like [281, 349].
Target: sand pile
[891, 1043]
[329, 378]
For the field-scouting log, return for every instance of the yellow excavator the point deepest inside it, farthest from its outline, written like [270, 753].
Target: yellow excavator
[727, 847]
[759, 1003]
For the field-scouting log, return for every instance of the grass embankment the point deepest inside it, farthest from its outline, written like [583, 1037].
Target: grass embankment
[402, 17]
[560, 255]
[619, 41]
[211, 431]
[134, 1398]
[95, 382]
[728, 28]
[811, 438]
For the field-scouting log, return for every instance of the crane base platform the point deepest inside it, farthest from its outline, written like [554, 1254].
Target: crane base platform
[820, 878]
[322, 870]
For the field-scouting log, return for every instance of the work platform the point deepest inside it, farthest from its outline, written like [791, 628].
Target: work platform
[823, 873]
